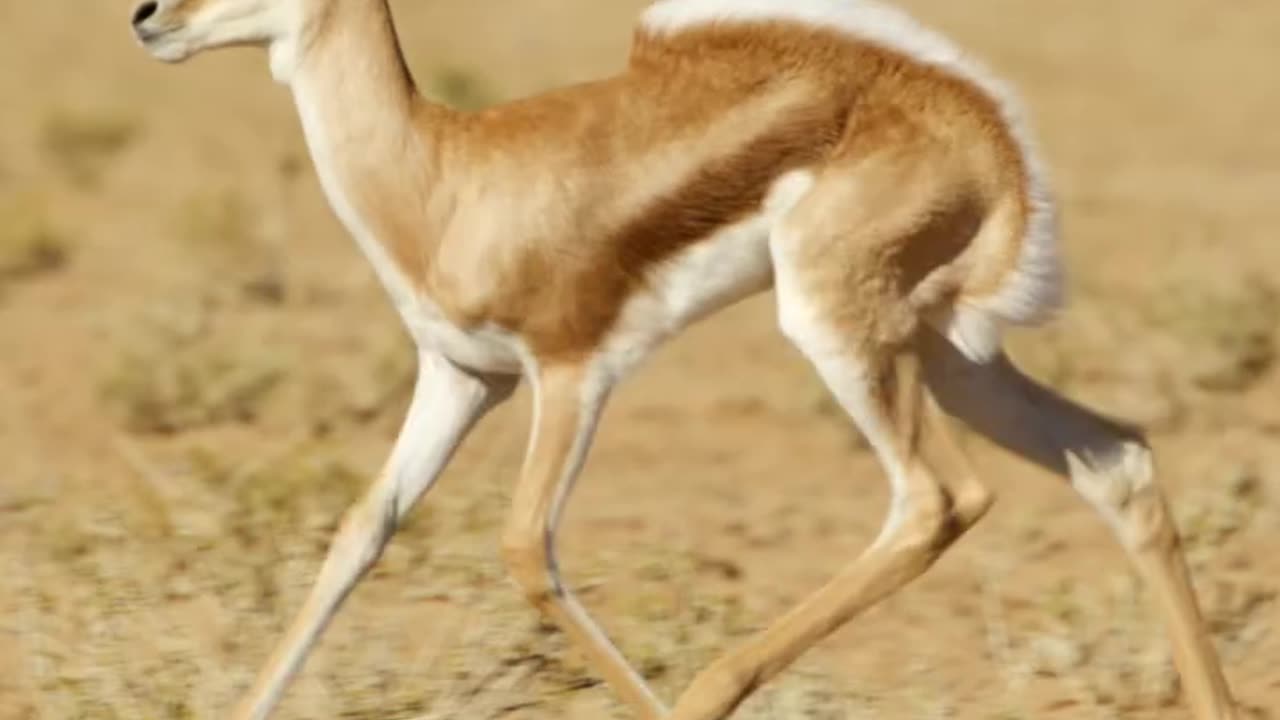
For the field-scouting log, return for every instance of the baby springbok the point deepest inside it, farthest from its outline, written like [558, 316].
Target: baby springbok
[833, 149]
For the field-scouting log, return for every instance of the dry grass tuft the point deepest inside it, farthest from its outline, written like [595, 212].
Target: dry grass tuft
[1229, 330]
[179, 376]
[225, 231]
[82, 143]
[138, 614]
[130, 615]
[29, 243]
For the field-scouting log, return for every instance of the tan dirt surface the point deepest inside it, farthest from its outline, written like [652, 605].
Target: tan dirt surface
[198, 372]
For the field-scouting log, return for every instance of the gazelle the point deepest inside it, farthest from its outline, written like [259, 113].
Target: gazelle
[834, 149]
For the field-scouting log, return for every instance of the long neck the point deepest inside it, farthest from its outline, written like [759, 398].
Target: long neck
[347, 51]
[373, 139]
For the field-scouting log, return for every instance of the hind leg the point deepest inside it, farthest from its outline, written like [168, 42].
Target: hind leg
[1111, 467]
[856, 327]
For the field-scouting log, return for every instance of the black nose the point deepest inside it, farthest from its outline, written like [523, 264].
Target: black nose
[144, 11]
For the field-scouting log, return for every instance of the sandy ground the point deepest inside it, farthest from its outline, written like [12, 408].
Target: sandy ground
[197, 372]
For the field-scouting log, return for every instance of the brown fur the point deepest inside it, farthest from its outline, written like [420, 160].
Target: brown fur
[543, 216]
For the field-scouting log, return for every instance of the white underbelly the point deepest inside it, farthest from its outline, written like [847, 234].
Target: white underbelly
[697, 282]
[713, 274]
[733, 263]
[487, 348]
[716, 272]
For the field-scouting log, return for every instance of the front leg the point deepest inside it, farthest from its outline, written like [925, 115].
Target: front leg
[447, 402]
[568, 405]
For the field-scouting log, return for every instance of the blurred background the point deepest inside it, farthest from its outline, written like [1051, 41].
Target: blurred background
[199, 373]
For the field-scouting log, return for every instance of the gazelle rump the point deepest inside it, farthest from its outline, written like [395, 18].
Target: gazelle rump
[833, 149]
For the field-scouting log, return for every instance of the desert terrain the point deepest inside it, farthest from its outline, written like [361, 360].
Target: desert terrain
[198, 372]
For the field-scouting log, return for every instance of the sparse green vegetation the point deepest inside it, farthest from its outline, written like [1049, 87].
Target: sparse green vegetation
[243, 537]
[175, 379]
[167, 394]
[81, 143]
[221, 223]
[358, 395]
[29, 242]
[1229, 330]
[225, 232]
